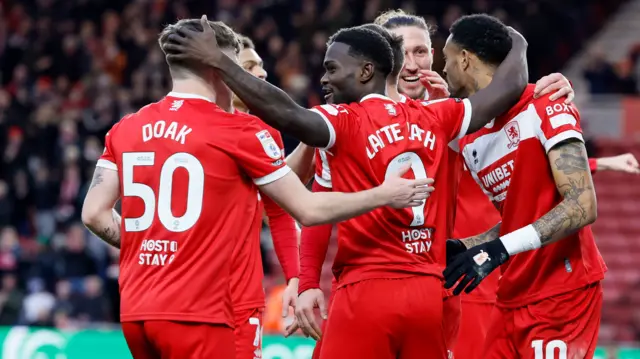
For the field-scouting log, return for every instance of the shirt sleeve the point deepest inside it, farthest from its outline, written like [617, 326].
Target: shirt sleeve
[593, 165]
[453, 115]
[323, 173]
[108, 158]
[285, 237]
[260, 154]
[339, 120]
[558, 122]
[314, 243]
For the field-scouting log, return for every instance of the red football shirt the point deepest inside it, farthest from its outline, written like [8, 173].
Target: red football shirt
[508, 158]
[372, 139]
[475, 214]
[247, 291]
[188, 173]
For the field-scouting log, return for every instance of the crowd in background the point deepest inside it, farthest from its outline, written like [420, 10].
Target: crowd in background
[70, 69]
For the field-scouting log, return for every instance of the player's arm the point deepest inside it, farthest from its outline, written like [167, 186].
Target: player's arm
[264, 100]
[285, 238]
[301, 162]
[626, 163]
[570, 168]
[311, 209]
[506, 87]
[98, 214]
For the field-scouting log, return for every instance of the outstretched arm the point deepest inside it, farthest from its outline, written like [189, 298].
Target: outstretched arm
[622, 163]
[506, 87]
[301, 162]
[98, 214]
[264, 100]
[312, 209]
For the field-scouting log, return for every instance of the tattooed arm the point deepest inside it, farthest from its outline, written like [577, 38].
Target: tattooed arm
[98, 214]
[570, 168]
[487, 236]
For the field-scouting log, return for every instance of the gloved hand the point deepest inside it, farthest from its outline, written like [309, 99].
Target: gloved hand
[454, 247]
[474, 265]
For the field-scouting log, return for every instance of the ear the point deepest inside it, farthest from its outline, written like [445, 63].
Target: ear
[465, 60]
[367, 71]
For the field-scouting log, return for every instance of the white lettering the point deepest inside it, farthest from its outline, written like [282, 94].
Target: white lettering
[160, 130]
[183, 134]
[171, 131]
[430, 139]
[416, 133]
[147, 133]
[393, 133]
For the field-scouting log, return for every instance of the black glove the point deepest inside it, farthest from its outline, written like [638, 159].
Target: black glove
[474, 265]
[454, 247]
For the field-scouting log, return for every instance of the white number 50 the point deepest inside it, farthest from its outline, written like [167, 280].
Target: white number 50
[550, 351]
[419, 172]
[195, 191]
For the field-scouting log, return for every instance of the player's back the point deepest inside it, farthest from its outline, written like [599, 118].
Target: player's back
[185, 201]
[371, 140]
[509, 160]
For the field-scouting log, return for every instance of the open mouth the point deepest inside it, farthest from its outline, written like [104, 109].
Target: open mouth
[328, 93]
[411, 78]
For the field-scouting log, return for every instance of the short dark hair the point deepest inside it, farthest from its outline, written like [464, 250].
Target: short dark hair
[226, 38]
[484, 35]
[366, 44]
[395, 42]
[392, 19]
[246, 42]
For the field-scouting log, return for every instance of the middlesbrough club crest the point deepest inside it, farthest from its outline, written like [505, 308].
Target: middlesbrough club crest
[513, 134]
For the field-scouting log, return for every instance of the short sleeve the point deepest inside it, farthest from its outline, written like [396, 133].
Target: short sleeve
[453, 115]
[339, 119]
[260, 154]
[323, 173]
[558, 122]
[108, 158]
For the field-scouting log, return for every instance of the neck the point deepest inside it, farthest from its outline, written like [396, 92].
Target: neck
[481, 78]
[392, 91]
[195, 86]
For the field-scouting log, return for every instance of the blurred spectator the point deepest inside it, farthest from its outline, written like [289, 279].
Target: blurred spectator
[91, 305]
[74, 260]
[11, 298]
[38, 304]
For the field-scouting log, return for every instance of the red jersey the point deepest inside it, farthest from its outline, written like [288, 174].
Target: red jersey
[247, 291]
[372, 139]
[323, 173]
[508, 158]
[188, 173]
[475, 214]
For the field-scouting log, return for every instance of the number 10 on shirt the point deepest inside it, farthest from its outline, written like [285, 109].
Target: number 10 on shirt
[419, 171]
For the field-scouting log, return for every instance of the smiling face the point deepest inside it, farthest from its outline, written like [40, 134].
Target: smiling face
[339, 82]
[456, 64]
[418, 55]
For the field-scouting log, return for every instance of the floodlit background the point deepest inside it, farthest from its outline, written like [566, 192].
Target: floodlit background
[69, 69]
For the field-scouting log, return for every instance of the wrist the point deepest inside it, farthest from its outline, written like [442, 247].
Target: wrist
[521, 240]
[380, 197]
[293, 281]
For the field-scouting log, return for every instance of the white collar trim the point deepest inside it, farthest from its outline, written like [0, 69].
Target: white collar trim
[378, 96]
[187, 96]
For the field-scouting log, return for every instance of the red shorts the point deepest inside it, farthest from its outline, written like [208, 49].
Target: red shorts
[473, 328]
[161, 339]
[386, 319]
[562, 326]
[451, 314]
[248, 333]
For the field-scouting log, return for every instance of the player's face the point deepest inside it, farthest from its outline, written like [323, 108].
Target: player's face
[418, 55]
[455, 69]
[339, 82]
[252, 63]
